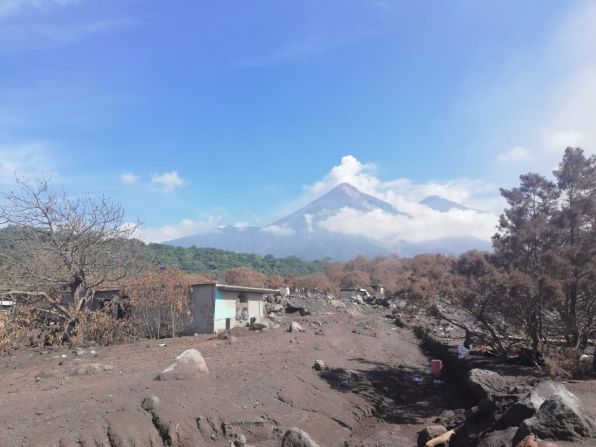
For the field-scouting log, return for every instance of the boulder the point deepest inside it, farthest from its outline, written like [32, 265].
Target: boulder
[274, 308]
[499, 438]
[521, 410]
[295, 437]
[428, 433]
[150, 402]
[188, 365]
[292, 307]
[558, 418]
[295, 327]
[258, 324]
[319, 365]
[486, 384]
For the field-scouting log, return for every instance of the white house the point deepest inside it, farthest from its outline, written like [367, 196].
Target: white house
[215, 307]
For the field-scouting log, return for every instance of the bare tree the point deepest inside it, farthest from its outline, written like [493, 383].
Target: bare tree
[62, 243]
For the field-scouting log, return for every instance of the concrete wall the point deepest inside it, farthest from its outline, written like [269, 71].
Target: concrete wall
[202, 302]
[225, 307]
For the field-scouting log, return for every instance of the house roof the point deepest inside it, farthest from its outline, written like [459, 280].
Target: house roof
[232, 288]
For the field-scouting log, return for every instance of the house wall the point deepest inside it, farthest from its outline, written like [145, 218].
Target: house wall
[225, 307]
[202, 301]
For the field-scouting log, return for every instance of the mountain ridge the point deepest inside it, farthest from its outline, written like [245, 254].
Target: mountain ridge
[299, 233]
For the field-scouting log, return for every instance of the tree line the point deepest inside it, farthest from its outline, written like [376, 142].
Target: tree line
[537, 287]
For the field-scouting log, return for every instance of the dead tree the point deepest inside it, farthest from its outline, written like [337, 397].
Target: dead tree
[62, 243]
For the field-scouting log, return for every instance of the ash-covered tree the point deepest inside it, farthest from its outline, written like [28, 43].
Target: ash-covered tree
[246, 277]
[526, 242]
[62, 243]
[575, 223]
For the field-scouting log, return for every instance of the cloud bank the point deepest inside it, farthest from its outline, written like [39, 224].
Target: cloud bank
[421, 222]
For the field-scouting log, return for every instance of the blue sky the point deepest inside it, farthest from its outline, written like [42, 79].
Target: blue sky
[200, 113]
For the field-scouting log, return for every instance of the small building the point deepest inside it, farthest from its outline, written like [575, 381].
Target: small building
[6, 305]
[216, 307]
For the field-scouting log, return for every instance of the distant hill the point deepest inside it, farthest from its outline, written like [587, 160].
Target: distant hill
[299, 234]
[191, 260]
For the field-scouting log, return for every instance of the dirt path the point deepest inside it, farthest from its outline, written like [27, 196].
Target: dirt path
[260, 386]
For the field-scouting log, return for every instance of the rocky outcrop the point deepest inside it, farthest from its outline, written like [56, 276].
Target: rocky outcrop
[485, 384]
[558, 418]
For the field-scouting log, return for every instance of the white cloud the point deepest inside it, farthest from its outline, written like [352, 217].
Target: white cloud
[424, 224]
[241, 226]
[277, 230]
[558, 141]
[168, 181]
[12, 7]
[396, 191]
[516, 153]
[420, 223]
[186, 227]
[25, 160]
[128, 178]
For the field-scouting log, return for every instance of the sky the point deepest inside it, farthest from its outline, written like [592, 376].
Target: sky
[193, 114]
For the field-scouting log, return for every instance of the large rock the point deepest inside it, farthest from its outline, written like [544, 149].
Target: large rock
[188, 365]
[520, 411]
[428, 433]
[559, 418]
[528, 406]
[486, 384]
[501, 438]
[295, 327]
[295, 437]
[258, 324]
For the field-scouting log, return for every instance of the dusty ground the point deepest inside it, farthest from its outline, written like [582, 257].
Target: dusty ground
[259, 386]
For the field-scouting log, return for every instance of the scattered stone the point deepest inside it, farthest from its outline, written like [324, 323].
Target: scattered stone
[150, 402]
[558, 418]
[81, 353]
[429, 433]
[274, 308]
[295, 437]
[240, 441]
[190, 364]
[337, 303]
[42, 376]
[162, 345]
[232, 340]
[319, 365]
[93, 369]
[295, 327]
[342, 378]
[486, 384]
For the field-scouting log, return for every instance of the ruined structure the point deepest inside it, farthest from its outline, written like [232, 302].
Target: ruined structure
[216, 307]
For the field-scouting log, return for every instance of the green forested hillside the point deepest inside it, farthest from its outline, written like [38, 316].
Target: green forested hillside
[191, 260]
[195, 259]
